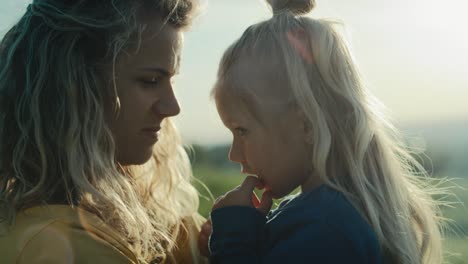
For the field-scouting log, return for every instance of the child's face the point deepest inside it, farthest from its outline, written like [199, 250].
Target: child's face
[274, 149]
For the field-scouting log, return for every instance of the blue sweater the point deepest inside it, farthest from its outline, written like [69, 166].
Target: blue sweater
[319, 226]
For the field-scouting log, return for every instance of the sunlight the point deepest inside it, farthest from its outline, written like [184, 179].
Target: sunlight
[448, 22]
[448, 18]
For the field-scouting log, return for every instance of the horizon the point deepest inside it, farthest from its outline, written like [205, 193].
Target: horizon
[440, 133]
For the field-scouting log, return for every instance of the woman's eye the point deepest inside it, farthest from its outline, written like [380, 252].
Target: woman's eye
[240, 131]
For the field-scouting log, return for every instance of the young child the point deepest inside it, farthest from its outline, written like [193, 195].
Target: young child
[290, 92]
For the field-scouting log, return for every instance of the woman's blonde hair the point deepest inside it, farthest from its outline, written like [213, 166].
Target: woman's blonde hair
[56, 98]
[354, 148]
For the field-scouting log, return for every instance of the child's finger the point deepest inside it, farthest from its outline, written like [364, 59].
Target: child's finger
[206, 227]
[266, 202]
[255, 200]
[259, 185]
[203, 245]
[249, 184]
[203, 238]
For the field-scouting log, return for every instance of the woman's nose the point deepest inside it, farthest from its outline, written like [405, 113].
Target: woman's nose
[167, 105]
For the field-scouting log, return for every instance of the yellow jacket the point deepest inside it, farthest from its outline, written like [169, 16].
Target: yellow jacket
[62, 234]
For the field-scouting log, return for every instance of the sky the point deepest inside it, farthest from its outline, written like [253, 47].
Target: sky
[413, 54]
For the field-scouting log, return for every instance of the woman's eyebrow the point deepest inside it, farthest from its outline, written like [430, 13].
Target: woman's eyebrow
[160, 70]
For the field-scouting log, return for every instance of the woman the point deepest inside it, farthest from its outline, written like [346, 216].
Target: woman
[91, 168]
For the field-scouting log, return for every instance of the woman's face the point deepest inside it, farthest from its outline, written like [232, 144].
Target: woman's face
[143, 79]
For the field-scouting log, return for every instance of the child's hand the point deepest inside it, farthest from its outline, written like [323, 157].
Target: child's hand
[243, 195]
[203, 237]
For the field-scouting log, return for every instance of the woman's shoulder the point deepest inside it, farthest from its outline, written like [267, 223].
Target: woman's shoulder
[60, 233]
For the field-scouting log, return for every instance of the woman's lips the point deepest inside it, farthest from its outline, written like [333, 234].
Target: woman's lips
[151, 132]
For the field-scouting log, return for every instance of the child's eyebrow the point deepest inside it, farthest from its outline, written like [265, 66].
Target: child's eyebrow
[234, 124]
[228, 123]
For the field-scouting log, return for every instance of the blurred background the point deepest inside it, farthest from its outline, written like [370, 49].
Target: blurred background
[412, 53]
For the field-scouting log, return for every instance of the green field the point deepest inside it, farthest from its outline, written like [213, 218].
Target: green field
[457, 249]
[219, 181]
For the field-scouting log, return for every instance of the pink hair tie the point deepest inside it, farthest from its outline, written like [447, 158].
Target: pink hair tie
[299, 46]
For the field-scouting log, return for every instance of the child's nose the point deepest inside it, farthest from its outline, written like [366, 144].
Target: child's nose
[235, 154]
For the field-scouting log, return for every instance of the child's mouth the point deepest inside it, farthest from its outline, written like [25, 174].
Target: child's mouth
[262, 183]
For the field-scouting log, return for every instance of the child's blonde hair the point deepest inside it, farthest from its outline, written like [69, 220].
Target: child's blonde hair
[354, 148]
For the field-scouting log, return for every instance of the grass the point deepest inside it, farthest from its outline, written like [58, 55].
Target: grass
[456, 250]
[456, 240]
[219, 181]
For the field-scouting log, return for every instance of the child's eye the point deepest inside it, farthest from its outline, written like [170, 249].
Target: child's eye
[240, 131]
[153, 81]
